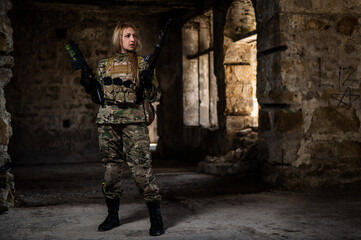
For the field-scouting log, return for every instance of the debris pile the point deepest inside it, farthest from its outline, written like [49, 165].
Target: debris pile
[243, 159]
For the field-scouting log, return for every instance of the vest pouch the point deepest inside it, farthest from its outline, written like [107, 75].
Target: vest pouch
[108, 92]
[119, 94]
[130, 97]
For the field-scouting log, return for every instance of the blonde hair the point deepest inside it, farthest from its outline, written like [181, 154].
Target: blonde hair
[118, 36]
[118, 45]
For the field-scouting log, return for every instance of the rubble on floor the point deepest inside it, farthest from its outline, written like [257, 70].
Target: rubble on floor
[243, 159]
[7, 187]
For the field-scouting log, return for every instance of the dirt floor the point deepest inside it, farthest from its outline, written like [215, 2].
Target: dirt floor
[65, 202]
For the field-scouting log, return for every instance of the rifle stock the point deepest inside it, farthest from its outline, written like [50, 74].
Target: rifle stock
[90, 83]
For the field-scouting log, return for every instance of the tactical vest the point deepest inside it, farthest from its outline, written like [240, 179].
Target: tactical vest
[119, 84]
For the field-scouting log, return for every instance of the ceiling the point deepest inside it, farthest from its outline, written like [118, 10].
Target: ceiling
[139, 7]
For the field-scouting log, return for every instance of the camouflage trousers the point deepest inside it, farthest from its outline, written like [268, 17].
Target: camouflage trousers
[134, 139]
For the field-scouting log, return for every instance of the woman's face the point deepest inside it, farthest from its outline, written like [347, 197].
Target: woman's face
[129, 40]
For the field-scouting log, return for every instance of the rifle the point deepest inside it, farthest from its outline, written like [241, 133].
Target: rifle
[152, 59]
[88, 79]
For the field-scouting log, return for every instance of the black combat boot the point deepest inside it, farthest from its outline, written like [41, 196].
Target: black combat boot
[156, 221]
[112, 219]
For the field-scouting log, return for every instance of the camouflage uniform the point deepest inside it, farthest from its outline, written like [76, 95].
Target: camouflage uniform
[121, 124]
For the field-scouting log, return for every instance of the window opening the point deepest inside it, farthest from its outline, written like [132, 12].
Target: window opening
[199, 81]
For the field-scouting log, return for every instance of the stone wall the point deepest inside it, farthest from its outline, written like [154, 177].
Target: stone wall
[6, 63]
[53, 117]
[309, 87]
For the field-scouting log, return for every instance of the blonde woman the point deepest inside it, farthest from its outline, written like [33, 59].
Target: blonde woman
[121, 125]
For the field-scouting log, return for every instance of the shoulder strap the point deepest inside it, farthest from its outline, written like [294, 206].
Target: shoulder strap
[109, 63]
[140, 58]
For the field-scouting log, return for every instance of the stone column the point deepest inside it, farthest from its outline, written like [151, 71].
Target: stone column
[6, 62]
[309, 79]
[239, 66]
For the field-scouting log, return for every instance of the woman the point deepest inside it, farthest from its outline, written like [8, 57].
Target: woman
[121, 124]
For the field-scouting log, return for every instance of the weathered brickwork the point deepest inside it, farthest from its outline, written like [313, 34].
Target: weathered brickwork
[6, 63]
[309, 87]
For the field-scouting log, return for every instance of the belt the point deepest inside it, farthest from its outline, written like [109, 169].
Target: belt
[124, 104]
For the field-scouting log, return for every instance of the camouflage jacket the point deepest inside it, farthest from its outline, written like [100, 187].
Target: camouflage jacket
[120, 91]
